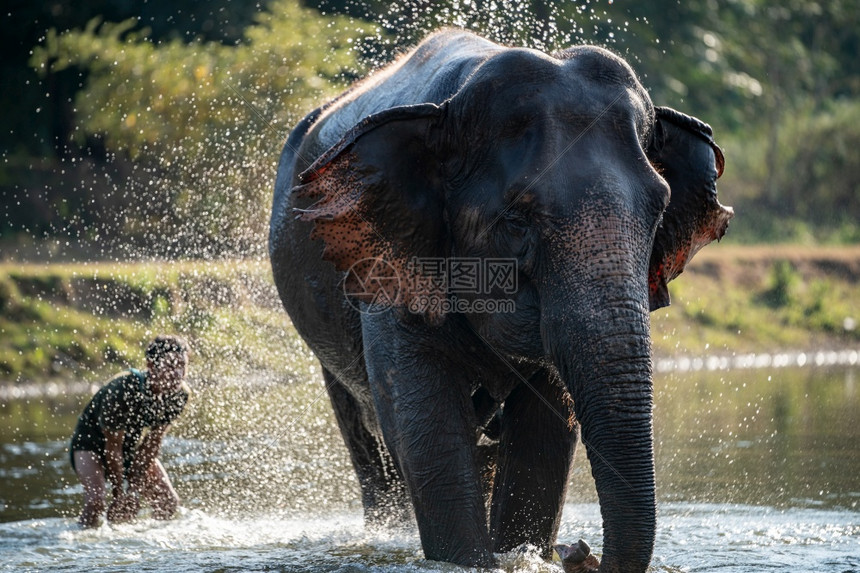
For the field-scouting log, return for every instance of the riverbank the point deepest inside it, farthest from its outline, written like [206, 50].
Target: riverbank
[78, 320]
[763, 299]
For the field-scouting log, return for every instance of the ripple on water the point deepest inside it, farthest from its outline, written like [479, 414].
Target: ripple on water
[723, 537]
[205, 542]
[691, 537]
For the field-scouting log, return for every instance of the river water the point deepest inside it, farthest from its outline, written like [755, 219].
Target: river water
[758, 469]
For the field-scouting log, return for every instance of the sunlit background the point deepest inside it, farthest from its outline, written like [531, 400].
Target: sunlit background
[139, 143]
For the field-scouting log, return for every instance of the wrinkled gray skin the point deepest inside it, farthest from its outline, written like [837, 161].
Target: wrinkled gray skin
[467, 149]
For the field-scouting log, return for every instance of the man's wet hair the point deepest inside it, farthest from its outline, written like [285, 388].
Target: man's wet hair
[165, 345]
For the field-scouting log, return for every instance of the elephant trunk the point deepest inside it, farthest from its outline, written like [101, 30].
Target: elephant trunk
[596, 331]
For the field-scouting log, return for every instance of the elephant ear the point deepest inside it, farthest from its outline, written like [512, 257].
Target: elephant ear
[379, 207]
[683, 151]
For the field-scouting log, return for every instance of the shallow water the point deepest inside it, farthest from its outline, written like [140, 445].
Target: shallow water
[758, 470]
[692, 537]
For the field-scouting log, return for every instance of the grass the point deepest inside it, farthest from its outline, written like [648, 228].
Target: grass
[84, 320]
[749, 299]
[62, 321]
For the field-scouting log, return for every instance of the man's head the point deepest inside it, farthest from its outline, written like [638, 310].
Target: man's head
[166, 359]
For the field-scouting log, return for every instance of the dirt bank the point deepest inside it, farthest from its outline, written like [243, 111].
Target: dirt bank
[75, 320]
[734, 299]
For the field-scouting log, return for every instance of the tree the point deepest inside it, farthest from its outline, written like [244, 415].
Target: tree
[203, 122]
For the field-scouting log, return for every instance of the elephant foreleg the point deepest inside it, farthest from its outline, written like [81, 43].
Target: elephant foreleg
[536, 446]
[486, 413]
[428, 422]
[383, 493]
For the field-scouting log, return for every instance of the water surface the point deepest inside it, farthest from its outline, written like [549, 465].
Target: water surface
[758, 470]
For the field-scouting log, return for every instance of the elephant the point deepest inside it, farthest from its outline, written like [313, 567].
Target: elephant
[554, 180]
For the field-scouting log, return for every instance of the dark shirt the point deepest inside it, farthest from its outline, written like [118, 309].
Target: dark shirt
[125, 403]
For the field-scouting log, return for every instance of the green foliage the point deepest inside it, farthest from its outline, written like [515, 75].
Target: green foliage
[9, 295]
[194, 127]
[44, 339]
[816, 147]
[783, 284]
[204, 122]
[100, 316]
[808, 192]
[74, 320]
[754, 303]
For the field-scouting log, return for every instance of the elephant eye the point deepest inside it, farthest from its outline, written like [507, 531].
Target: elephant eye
[515, 222]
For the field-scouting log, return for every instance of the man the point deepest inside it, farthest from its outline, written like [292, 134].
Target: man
[119, 433]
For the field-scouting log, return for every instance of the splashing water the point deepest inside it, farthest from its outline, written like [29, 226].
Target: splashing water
[695, 538]
[258, 459]
[542, 25]
[755, 472]
[188, 136]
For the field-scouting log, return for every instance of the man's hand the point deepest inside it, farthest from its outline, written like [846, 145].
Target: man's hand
[144, 457]
[124, 507]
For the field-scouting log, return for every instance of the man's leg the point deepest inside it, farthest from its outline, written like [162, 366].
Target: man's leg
[92, 477]
[159, 492]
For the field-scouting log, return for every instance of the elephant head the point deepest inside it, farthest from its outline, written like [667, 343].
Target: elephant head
[539, 160]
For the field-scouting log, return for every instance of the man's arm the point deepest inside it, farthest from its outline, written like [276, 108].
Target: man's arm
[146, 453]
[113, 457]
[124, 505]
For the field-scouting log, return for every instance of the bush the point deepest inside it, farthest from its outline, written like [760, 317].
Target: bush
[811, 196]
[203, 122]
[9, 295]
[783, 284]
[819, 175]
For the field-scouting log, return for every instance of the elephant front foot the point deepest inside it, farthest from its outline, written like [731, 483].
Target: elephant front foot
[577, 558]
